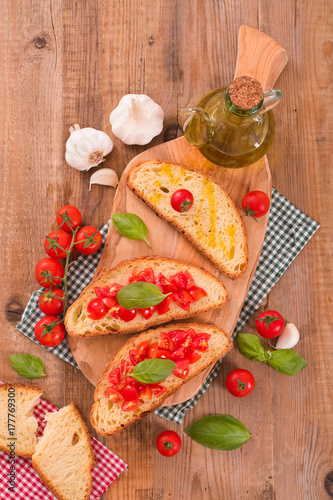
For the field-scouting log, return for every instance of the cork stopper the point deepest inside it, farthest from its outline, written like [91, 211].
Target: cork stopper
[245, 92]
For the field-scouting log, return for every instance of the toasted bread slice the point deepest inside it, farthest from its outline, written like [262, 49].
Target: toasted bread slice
[18, 401]
[78, 324]
[108, 418]
[64, 457]
[213, 224]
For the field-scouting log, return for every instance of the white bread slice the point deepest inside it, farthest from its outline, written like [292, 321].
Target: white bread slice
[213, 224]
[108, 418]
[79, 325]
[64, 457]
[24, 398]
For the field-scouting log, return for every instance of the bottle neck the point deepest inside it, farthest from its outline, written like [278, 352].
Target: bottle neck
[241, 113]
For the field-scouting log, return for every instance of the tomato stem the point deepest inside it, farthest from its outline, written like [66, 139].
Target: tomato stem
[67, 264]
[168, 445]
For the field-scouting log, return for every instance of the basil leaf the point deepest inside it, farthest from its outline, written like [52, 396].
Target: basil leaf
[139, 295]
[131, 226]
[287, 361]
[250, 346]
[27, 365]
[153, 371]
[220, 432]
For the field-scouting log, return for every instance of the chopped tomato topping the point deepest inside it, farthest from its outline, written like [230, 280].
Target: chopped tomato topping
[178, 336]
[165, 342]
[127, 314]
[183, 299]
[120, 386]
[152, 351]
[148, 312]
[162, 354]
[192, 355]
[190, 283]
[178, 354]
[134, 356]
[198, 293]
[113, 395]
[131, 405]
[130, 393]
[142, 348]
[114, 376]
[201, 342]
[179, 280]
[125, 367]
[182, 368]
[164, 306]
[146, 275]
[110, 302]
[158, 389]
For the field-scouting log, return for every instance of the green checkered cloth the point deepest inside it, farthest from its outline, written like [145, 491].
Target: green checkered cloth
[288, 230]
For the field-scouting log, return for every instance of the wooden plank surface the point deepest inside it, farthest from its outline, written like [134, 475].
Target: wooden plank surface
[68, 62]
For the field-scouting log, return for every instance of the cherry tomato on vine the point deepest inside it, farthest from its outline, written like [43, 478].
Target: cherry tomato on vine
[255, 204]
[88, 240]
[240, 383]
[168, 443]
[57, 237]
[269, 324]
[50, 331]
[182, 200]
[51, 305]
[69, 218]
[47, 267]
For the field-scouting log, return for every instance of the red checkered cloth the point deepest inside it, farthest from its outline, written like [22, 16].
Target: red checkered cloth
[28, 485]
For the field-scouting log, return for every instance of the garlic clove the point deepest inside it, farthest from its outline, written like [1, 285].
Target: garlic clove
[86, 147]
[288, 338]
[137, 119]
[104, 177]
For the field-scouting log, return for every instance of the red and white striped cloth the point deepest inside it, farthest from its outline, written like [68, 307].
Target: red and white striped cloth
[28, 485]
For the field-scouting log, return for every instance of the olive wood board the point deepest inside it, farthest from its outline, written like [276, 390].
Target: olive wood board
[92, 355]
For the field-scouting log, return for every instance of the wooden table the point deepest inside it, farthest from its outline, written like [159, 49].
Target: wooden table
[66, 62]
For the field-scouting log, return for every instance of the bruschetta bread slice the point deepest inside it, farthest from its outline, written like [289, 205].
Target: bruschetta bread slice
[193, 289]
[17, 403]
[120, 401]
[64, 457]
[212, 223]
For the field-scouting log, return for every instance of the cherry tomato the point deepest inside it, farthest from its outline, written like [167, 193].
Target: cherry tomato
[142, 348]
[88, 240]
[130, 393]
[178, 354]
[113, 395]
[192, 355]
[158, 389]
[50, 331]
[198, 293]
[125, 367]
[47, 267]
[255, 204]
[168, 443]
[107, 291]
[69, 218]
[50, 305]
[165, 342]
[182, 200]
[190, 283]
[54, 238]
[146, 275]
[269, 324]
[201, 342]
[134, 357]
[162, 354]
[127, 314]
[183, 298]
[110, 302]
[131, 405]
[114, 376]
[96, 309]
[240, 383]
[178, 336]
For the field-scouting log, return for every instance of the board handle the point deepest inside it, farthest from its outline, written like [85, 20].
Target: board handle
[259, 56]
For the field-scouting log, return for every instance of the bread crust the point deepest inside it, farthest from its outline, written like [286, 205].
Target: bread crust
[180, 228]
[17, 386]
[130, 344]
[93, 462]
[126, 329]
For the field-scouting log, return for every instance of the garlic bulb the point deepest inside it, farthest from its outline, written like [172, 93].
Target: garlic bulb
[288, 338]
[137, 119]
[105, 177]
[86, 147]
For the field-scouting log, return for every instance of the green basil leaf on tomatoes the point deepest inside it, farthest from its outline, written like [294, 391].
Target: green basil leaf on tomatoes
[287, 361]
[130, 226]
[153, 371]
[220, 432]
[251, 348]
[27, 365]
[139, 295]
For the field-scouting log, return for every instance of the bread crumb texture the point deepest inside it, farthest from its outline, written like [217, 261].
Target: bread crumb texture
[213, 223]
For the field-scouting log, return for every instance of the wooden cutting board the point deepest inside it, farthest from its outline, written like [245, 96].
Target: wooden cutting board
[263, 58]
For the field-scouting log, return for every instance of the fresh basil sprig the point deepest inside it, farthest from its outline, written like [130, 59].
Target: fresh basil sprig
[220, 432]
[284, 361]
[27, 365]
[153, 371]
[131, 226]
[139, 295]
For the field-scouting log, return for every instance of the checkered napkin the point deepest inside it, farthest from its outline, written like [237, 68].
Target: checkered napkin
[288, 230]
[28, 485]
